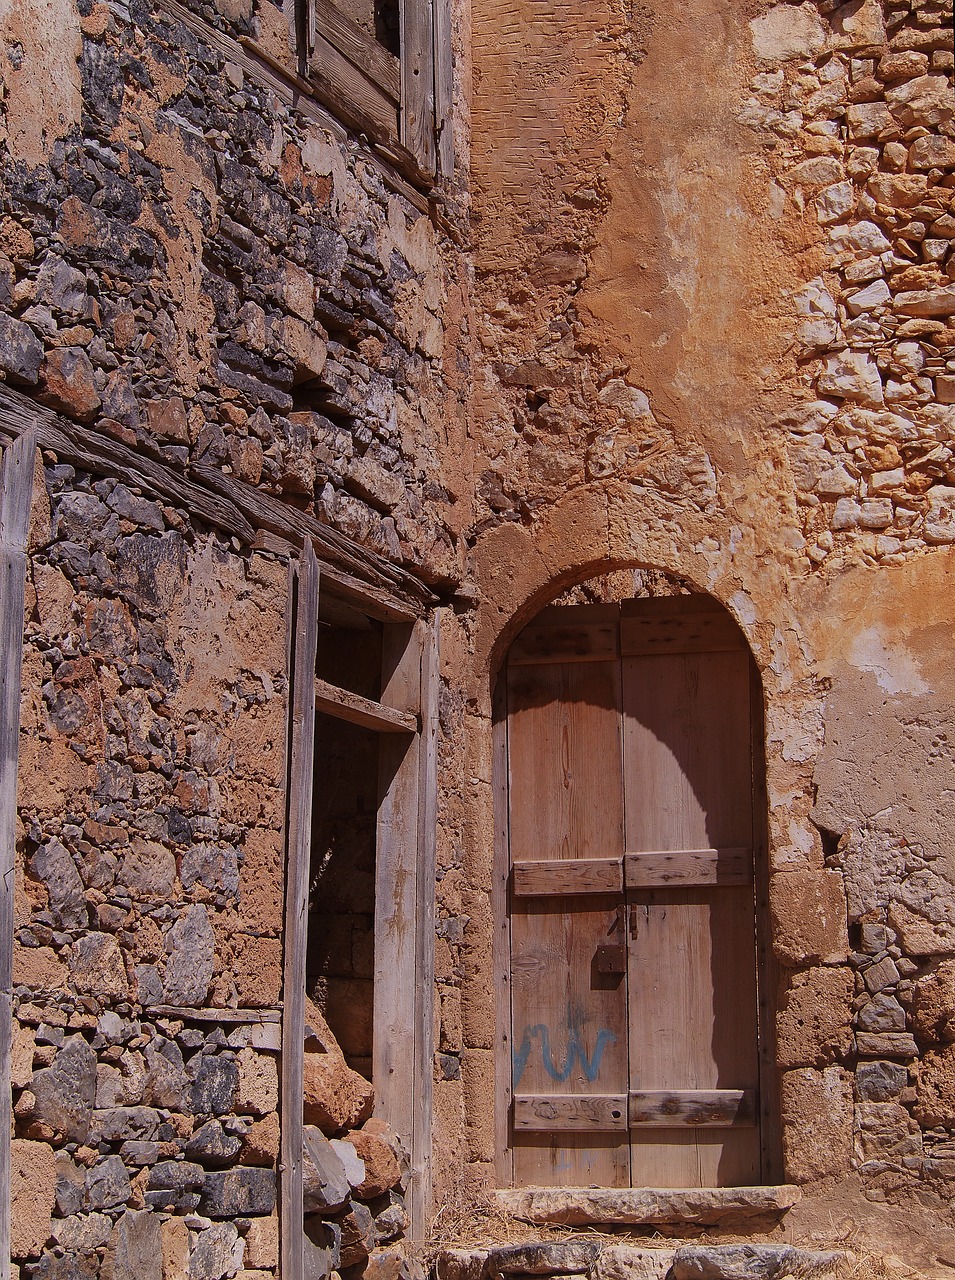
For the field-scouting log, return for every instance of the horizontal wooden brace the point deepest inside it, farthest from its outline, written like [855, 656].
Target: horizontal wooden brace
[352, 707]
[644, 1108]
[545, 1112]
[587, 633]
[677, 624]
[543, 877]
[696, 1108]
[687, 868]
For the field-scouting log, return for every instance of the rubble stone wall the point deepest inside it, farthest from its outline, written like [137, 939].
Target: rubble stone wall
[195, 268]
[714, 270]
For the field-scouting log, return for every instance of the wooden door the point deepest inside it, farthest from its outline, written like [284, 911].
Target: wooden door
[633, 944]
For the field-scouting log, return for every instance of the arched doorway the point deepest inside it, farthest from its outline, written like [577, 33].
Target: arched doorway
[632, 749]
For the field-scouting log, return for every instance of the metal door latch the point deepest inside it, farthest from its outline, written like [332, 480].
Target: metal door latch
[612, 959]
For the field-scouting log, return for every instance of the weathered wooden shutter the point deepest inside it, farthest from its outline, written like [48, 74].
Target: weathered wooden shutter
[355, 75]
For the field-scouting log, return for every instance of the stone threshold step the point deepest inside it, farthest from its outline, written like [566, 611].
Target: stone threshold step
[601, 1261]
[646, 1206]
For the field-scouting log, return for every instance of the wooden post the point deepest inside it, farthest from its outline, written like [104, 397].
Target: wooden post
[16, 491]
[417, 82]
[424, 960]
[299, 828]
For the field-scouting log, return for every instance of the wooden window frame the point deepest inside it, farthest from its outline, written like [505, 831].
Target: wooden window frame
[401, 104]
[16, 493]
[406, 717]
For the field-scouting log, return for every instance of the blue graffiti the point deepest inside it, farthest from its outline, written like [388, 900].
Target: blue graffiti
[590, 1065]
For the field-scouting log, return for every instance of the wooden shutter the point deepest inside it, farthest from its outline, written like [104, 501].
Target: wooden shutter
[355, 75]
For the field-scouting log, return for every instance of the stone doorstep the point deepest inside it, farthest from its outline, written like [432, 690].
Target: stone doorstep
[600, 1261]
[646, 1206]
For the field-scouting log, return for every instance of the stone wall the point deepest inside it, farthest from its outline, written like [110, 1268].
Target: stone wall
[713, 254]
[223, 283]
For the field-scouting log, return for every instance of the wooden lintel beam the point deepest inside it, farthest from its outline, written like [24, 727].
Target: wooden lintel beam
[352, 707]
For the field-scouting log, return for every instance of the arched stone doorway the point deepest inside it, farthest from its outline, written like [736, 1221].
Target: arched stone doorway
[632, 802]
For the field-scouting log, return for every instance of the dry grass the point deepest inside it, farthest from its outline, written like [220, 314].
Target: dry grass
[471, 1217]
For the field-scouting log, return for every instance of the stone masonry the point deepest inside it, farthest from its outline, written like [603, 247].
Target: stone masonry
[687, 306]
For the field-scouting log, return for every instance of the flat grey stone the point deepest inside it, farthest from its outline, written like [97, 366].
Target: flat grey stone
[575, 1257]
[749, 1261]
[326, 1184]
[578, 1206]
[107, 1184]
[135, 1249]
[65, 1091]
[238, 1193]
[631, 1262]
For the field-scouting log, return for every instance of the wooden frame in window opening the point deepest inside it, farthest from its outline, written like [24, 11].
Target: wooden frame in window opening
[384, 68]
[345, 646]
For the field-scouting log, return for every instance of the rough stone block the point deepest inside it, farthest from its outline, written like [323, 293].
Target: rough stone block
[817, 1123]
[216, 1252]
[135, 1249]
[21, 351]
[212, 1146]
[630, 1262]
[190, 946]
[813, 1024]
[262, 1243]
[69, 383]
[107, 1184]
[258, 1087]
[749, 1261]
[215, 1082]
[65, 1091]
[32, 1196]
[382, 1171]
[935, 1090]
[809, 917]
[326, 1184]
[239, 1193]
[880, 1081]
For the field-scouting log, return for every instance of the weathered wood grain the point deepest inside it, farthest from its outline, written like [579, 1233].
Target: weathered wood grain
[417, 82]
[351, 94]
[370, 57]
[699, 1108]
[421, 1207]
[677, 624]
[688, 867]
[547, 1113]
[16, 490]
[298, 843]
[581, 875]
[352, 707]
[188, 1014]
[578, 634]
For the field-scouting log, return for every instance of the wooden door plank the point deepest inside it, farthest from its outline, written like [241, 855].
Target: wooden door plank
[709, 1108]
[443, 87]
[585, 633]
[503, 1154]
[582, 875]
[417, 82]
[345, 705]
[557, 1112]
[688, 867]
[677, 624]
[687, 745]
[299, 841]
[364, 52]
[688, 786]
[429, 702]
[16, 491]
[568, 1019]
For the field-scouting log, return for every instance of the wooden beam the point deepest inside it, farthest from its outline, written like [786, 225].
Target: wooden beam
[568, 875]
[16, 492]
[187, 1014]
[443, 88]
[424, 960]
[267, 512]
[361, 49]
[92, 451]
[697, 1108]
[396, 891]
[352, 707]
[560, 1112]
[685, 868]
[501, 918]
[299, 846]
[585, 633]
